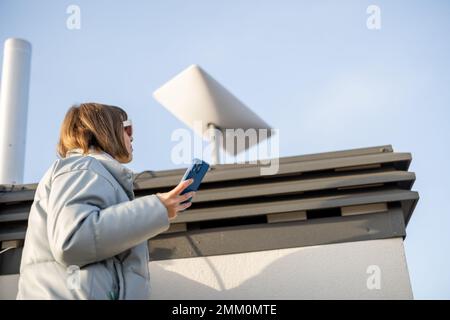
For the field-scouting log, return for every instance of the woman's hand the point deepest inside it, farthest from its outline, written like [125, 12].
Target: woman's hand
[172, 199]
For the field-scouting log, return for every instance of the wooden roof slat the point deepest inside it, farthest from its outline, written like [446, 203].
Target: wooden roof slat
[323, 202]
[293, 186]
[250, 171]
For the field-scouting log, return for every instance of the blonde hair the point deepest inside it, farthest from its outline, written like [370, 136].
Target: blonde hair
[94, 125]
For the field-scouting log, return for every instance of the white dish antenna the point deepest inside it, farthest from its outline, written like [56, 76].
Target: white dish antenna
[193, 96]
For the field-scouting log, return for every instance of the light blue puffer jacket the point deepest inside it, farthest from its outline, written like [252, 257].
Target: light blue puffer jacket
[87, 235]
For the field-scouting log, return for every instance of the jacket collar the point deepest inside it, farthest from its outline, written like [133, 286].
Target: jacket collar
[123, 175]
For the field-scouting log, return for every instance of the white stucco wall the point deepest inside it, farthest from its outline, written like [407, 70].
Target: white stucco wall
[335, 271]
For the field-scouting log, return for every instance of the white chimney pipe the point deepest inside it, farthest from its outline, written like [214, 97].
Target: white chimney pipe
[14, 109]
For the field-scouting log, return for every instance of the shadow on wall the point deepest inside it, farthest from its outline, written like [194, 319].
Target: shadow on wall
[303, 274]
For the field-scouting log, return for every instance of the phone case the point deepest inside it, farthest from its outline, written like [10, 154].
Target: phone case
[197, 171]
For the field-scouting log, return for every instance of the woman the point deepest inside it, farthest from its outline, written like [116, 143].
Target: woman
[87, 235]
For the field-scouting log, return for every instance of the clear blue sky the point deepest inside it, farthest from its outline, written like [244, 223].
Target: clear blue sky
[310, 68]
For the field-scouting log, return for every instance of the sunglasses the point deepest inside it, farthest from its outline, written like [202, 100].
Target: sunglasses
[127, 125]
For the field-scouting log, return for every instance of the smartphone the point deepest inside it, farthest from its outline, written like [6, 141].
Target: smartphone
[196, 171]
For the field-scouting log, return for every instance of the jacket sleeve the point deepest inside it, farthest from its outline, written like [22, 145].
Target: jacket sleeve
[83, 229]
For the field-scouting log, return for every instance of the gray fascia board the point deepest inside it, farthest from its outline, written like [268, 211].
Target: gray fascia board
[250, 238]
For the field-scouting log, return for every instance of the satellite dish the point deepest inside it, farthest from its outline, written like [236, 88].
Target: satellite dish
[193, 96]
